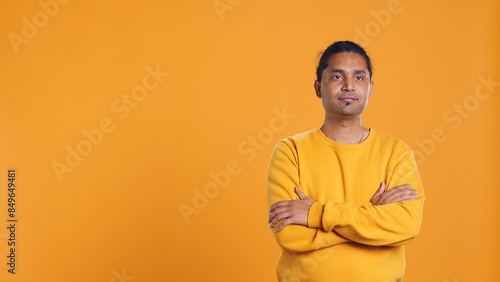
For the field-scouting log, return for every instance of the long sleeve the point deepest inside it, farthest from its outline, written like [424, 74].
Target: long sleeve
[346, 237]
[385, 225]
[282, 178]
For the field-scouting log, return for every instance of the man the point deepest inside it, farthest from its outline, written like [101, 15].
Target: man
[343, 199]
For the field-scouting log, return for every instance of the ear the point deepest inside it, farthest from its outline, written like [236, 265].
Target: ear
[317, 88]
[371, 89]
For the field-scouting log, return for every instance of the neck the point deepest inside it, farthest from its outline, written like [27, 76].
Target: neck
[350, 131]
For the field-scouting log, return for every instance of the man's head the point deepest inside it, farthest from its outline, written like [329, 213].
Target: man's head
[339, 47]
[344, 80]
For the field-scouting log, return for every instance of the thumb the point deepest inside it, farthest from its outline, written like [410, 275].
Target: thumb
[376, 197]
[299, 193]
[380, 190]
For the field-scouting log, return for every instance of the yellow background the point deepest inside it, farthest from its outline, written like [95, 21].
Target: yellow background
[229, 72]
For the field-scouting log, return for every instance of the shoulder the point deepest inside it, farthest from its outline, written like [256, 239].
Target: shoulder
[390, 142]
[304, 137]
[293, 144]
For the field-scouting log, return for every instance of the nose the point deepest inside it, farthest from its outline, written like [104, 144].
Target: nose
[348, 85]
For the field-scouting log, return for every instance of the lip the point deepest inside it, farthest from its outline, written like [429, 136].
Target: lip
[349, 99]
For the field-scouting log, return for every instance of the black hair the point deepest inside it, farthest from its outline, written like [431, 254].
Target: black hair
[339, 47]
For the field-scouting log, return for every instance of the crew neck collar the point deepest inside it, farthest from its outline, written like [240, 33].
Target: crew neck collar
[346, 146]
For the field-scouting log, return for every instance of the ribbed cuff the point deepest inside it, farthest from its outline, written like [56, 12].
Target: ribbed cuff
[330, 217]
[314, 217]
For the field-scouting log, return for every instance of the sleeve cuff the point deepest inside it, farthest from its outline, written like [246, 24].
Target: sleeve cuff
[315, 215]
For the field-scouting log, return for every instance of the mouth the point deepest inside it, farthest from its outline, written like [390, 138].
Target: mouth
[347, 99]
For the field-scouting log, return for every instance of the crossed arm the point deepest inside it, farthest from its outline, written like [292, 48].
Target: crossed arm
[284, 213]
[391, 218]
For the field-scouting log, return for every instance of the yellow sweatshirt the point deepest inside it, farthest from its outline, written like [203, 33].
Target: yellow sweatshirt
[347, 238]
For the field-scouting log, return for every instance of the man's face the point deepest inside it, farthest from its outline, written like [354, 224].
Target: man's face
[345, 86]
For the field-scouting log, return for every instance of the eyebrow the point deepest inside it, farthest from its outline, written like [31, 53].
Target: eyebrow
[342, 71]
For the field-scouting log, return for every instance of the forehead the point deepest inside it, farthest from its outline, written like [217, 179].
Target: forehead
[347, 61]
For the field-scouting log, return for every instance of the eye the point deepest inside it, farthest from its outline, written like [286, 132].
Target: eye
[336, 77]
[359, 77]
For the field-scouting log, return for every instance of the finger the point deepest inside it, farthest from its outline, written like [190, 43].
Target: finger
[403, 186]
[279, 205]
[405, 196]
[278, 215]
[393, 191]
[283, 224]
[402, 195]
[274, 221]
[270, 218]
[284, 212]
[391, 194]
[279, 227]
[273, 214]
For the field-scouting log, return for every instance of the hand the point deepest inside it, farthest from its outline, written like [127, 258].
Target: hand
[397, 194]
[290, 212]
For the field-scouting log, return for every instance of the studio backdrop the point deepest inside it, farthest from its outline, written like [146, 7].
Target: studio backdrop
[135, 136]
